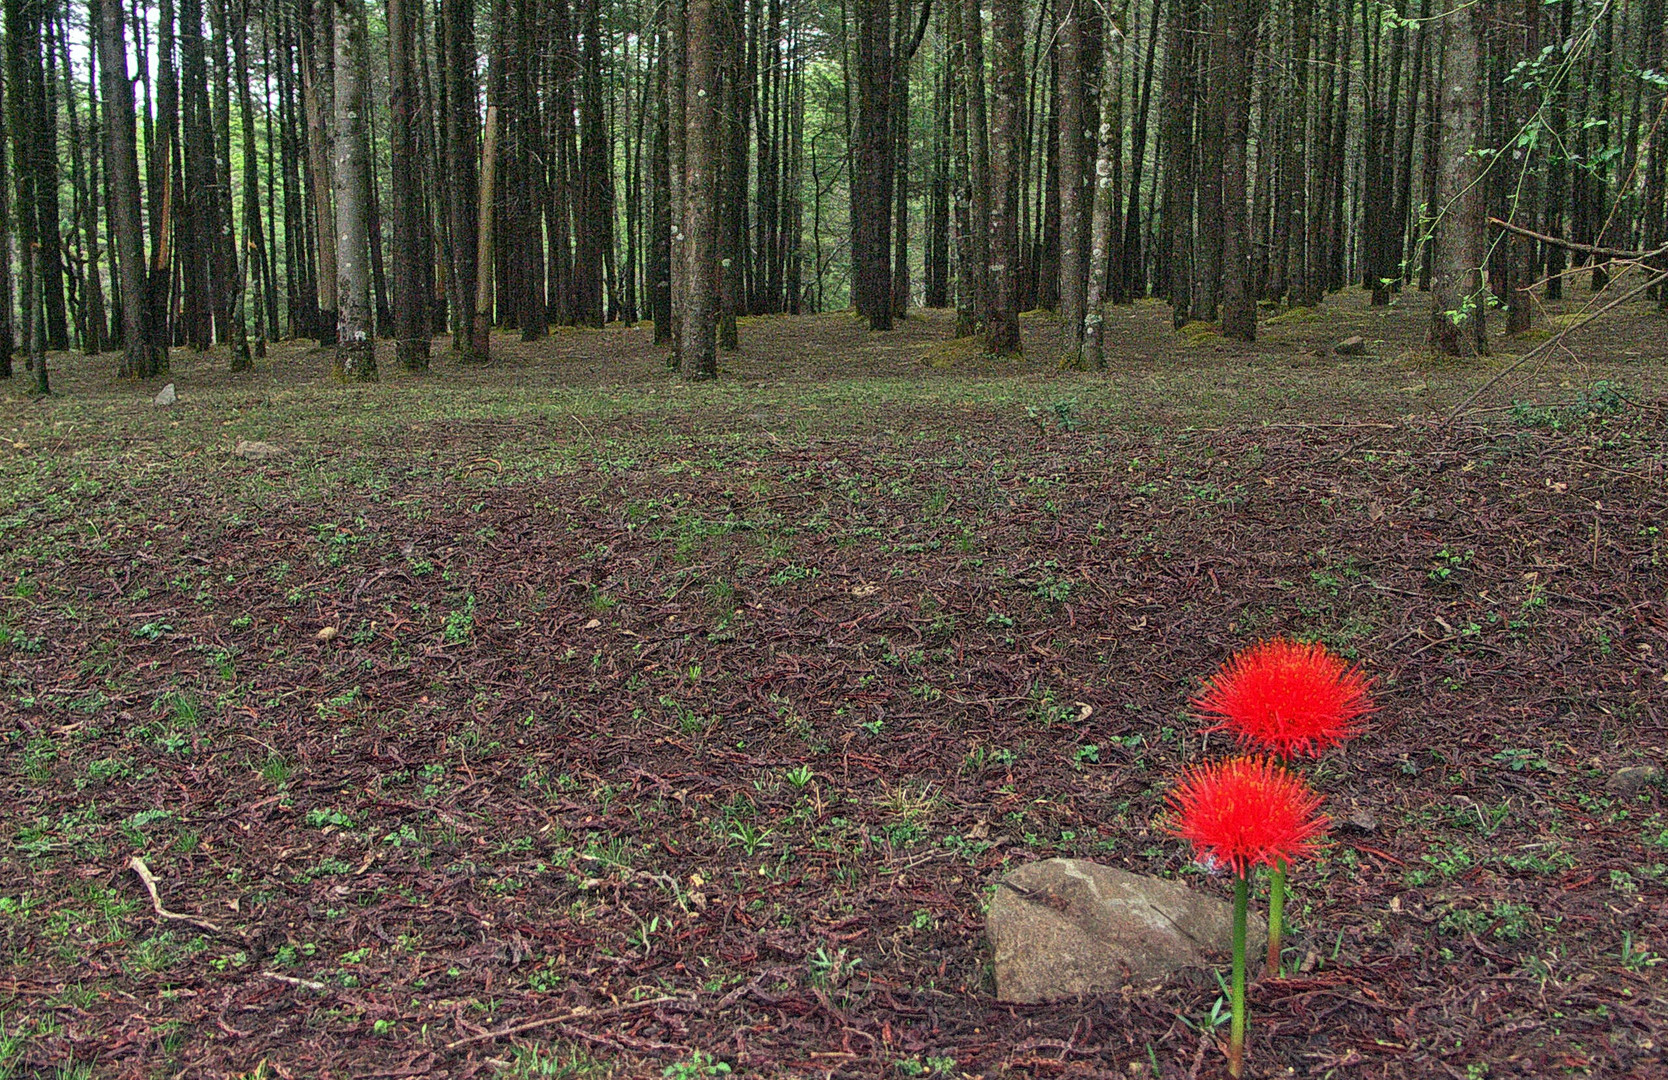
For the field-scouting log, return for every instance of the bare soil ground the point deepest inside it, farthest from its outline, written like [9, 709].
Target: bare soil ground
[554, 718]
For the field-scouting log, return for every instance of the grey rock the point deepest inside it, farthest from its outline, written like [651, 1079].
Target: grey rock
[1354, 345]
[166, 397]
[1634, 778]
[1064, 927]
[1359, 821]
[257, 451]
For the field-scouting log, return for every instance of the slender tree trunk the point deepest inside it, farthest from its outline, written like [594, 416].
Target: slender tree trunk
[141, 359]
[1558, 173]
[457, 27]
[1178, 145]
[226, 291]
[355, 339]
[677, 179]
[1069, 70]
[660, 165]
[1522, 204]
[317, 81]
[1239, 41]
[1208, 239]
[8, 334]
[24, 83]
[978, 257]
[1131, 251]
[1458, 302]
[872, 178]
[699, 352]
[1104, 216]
[84, 173]
[1008, 43]
[254, 239]
[480, 334]
[411, 325]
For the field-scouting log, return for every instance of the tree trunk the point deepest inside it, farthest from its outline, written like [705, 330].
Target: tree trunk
[24, 83]
[1458, 301]
[457, 32]
[1071, 82]
[316, 87]
[1177, 139]
[480, 332]
[1291, 213]
[84, 178]
[1521, 204]
[355, 341]
[978, 256]
[1008, 45]
[1103, 217]
[872, 178]
[141, 358]
[8, 335]
[411, 329]
[1132, 277]
[699, 352]
[1239, 302]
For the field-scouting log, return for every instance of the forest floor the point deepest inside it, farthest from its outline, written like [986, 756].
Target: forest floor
[558, 719]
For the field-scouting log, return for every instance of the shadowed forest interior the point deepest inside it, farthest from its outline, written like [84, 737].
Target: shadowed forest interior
[201, 172]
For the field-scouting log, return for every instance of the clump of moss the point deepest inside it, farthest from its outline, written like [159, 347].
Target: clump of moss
[1202, 333]
[943, 354]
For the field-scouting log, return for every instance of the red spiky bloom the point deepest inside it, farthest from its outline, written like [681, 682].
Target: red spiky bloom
[1287, 697]
[1246, 812]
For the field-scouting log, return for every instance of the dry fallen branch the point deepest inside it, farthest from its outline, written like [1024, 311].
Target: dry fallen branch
[563, 1018]
[293, 981]
[137, 865]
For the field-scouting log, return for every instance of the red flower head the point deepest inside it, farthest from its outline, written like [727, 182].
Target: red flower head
[1246, 812]
[1287, 697]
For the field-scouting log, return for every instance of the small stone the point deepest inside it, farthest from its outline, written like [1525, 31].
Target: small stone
[1354, 345]
[1061, 928]
[1634, 778]
[1359, 821]
[166, 397]
[257, 451]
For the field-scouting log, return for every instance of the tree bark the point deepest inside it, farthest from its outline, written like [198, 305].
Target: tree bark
[24, 83]
[355, 340]
[1070, 90]
[1458, 302]
[480, 332]
[1103, 217]
[457, 32]
[8, 333]
[700, 351]
[1008, 44]
[1239, 302]
[411, 329]
[977, 258]
[872, 177]
[1177, 146]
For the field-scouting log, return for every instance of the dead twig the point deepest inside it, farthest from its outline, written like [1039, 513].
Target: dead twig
[137, 865]
[548, 1021]
[293, 981]
[1571, 245]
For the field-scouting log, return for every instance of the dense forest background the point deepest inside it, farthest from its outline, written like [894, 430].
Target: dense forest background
[200, 172]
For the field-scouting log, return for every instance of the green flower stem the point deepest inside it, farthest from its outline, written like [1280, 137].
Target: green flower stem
[1236, 1038]
[1276, 916]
